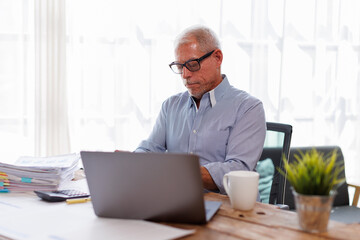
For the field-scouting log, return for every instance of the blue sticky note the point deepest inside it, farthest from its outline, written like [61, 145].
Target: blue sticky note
[5, 190]
[26, 180]
[1, 184]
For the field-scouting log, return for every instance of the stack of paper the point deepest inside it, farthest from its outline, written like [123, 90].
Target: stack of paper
[38, 173]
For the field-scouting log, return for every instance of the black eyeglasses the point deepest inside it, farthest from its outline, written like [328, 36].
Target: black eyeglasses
[192, 65]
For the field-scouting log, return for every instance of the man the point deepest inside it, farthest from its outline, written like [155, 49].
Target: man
[224, 126]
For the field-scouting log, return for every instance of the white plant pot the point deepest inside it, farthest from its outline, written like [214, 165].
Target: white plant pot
[313, 211]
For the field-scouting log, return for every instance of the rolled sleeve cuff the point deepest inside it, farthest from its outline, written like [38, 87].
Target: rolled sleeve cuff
[217, 175]
[146, 146]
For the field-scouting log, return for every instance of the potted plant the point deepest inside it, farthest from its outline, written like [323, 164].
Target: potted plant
[314, 178]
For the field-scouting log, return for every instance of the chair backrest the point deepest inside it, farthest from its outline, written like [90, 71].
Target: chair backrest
[342, 196]
[277, 145]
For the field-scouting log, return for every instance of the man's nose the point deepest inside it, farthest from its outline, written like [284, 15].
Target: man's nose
[185, 72]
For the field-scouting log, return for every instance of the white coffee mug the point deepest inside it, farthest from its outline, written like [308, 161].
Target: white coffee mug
[242, 188]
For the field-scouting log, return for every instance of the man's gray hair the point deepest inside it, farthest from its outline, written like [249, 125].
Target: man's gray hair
[206, 38]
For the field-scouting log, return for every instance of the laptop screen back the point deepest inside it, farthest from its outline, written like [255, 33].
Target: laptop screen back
[152, 186]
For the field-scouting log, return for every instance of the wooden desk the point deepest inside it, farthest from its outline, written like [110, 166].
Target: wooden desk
[263, 222]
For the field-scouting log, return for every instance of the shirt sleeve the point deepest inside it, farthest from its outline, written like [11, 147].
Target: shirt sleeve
[156, 142]
[245, 145]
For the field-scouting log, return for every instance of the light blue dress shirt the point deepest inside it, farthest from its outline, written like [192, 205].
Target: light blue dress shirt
[227, 132]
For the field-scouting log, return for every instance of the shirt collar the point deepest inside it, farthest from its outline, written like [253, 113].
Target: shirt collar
[214, 95]
[217, 93]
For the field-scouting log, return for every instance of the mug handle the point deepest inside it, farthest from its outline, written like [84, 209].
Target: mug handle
[225, 183]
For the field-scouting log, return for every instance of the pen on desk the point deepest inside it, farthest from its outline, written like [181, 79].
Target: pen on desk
[78, 200]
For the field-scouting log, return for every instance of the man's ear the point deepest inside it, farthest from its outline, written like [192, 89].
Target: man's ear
[218, 56]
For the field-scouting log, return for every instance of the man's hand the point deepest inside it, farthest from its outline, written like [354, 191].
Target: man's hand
[120, 150]
[208, 182]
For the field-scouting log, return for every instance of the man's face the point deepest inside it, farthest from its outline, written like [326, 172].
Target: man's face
[205, 79]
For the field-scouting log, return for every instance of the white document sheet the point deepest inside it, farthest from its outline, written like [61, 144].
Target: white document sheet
[60, 161]
[25, 216]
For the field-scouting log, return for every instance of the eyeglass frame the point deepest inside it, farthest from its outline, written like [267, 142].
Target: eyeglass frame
[198, 60]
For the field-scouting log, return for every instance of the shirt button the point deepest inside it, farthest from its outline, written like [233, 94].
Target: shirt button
[194, 131]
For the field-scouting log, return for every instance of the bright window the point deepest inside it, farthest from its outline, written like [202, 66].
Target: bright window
[301, 58]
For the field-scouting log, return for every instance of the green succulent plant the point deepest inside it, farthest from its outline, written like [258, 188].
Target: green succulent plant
[313, 173]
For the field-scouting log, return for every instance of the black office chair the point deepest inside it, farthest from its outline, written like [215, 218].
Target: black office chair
[277, 145]
[341, 211]
[342, 197]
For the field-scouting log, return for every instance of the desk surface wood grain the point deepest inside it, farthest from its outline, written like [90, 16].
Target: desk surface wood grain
[265, 221]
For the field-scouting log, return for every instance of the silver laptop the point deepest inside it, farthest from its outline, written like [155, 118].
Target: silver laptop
[163, 187]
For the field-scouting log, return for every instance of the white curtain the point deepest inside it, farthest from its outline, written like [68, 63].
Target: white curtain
[17, 79]
[301, 58]
[51, 116]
